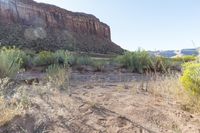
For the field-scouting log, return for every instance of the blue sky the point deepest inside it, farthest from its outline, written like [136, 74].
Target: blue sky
[149, 24]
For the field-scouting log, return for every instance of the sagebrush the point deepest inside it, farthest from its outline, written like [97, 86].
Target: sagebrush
[11, 61]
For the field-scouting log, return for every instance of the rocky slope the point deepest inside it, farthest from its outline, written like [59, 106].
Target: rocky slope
[39, 26]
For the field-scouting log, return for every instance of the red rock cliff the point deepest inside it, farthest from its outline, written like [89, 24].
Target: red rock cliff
[38, 23]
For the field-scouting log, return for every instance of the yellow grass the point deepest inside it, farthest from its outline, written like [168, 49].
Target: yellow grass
[7, 112]
[170, 87]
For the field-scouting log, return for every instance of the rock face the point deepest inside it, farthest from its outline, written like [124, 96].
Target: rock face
[28, 24]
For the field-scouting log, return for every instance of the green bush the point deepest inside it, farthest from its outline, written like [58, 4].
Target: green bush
[138, 61]
[72, 60]
[141, 61]
[44, 58]
[48, 58]
[61, 57]
[11, 60]
[191, 77]
[28, 59]
[97, 64]
[84, 60]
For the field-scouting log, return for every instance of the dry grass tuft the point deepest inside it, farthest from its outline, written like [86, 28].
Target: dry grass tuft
[59, 77]
[190, 103]
[13, 103]
[8, 110]
[170, 87]
[164, 86]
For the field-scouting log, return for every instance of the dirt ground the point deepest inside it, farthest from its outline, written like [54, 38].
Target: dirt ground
[103, 103]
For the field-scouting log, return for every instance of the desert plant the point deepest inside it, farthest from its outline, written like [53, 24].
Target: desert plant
[11, 60]
[191, 78]
[161, 64]
[62, 57]
[141, 61]
[138, 61]
[72, 60]
[44, 58]
[13, 106]
[99, 64]
[58, 76]
[26, 61]
[84, 60]
[28, 58]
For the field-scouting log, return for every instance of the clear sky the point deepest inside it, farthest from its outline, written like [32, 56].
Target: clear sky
[149, 24]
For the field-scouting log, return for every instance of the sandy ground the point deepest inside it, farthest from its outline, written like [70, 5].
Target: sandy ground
[103, 103]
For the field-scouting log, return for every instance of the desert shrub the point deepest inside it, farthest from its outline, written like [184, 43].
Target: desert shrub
[161, 64]
[11, 60]
[191, 78]
[72, 60]
[141, 61]
[13, 105]
[60, 57]
[44, 58]
[28, 60]
[138, 61]
[58, 75]
[84, 60]
[135, 61]
[79, 61]
[190, 81]
[99, 64]
[187, 58]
